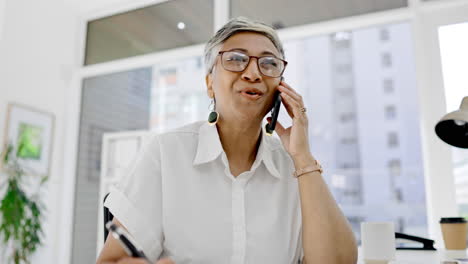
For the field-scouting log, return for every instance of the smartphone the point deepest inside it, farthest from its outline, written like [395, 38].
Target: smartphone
[270, 127]
[125, 241]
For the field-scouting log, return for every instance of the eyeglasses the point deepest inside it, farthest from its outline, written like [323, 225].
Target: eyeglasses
[237, 62]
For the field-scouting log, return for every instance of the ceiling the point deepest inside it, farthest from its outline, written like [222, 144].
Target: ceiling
[149, 29]
[298, 12]
[154, 28]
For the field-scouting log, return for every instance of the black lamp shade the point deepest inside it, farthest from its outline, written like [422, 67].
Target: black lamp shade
[453, 127]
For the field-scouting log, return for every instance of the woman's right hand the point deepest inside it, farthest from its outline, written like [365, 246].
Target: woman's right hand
[129, 260]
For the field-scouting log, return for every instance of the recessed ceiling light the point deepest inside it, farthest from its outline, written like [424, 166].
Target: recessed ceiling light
[181, 25]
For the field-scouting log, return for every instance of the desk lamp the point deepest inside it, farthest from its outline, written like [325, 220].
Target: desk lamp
[453, 127]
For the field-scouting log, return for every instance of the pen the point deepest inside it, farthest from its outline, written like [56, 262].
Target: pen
[124, 238]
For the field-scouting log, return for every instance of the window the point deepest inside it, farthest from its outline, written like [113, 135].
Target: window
[349, 140]
[343, 126]
[384, 34]
[454, 56]
[174, 99]
[386, 60]
[343, 68]
[341, 40]
[345, 92]
[400, 227]
[388, 86]
[110, 103]
[398, 195]
[394, 167]
[347, 166]
[338, 181]
[390, 112]
[346, 117]
[392, 139]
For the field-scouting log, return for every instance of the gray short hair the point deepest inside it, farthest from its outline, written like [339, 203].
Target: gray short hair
[237, 25]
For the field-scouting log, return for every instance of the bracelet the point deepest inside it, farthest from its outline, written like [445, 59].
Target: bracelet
[311, 168]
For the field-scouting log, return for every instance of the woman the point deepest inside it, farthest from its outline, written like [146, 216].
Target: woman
[224, 192]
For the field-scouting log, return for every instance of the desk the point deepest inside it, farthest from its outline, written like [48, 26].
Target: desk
[422, 256]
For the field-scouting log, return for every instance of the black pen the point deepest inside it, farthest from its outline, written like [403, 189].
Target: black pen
[125, 240]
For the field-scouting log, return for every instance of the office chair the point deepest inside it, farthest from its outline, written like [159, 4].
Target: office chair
[107, 217]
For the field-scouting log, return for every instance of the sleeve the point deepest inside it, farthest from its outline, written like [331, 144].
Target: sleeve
[299, 255]
[301, 258]
[136, 201]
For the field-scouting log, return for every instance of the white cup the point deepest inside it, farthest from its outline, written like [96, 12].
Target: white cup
[378, 242]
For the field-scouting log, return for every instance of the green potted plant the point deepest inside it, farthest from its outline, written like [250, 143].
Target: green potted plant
[20, 208]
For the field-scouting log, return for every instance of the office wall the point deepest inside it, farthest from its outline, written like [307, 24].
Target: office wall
[37, 54]
[2, 19]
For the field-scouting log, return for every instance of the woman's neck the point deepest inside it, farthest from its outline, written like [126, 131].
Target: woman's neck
[240, 141]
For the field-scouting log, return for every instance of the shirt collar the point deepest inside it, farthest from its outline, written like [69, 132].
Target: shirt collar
[209, 148]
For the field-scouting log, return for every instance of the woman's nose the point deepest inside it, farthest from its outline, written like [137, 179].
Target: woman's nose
[252, 72]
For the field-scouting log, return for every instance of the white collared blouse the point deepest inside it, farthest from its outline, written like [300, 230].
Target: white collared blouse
[179, 199]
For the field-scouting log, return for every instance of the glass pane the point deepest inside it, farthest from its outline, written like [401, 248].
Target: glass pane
[178, 95]
[168, 25]
[454, 55]
[305, 12]
[110, 103]
[354, 85]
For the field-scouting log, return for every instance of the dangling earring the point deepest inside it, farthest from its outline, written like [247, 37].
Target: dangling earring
[213, 117]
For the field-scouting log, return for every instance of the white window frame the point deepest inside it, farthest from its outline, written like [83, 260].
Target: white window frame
[424, 18]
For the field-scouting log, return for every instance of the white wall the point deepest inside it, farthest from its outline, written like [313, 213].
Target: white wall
[2, 18]
[37, 54]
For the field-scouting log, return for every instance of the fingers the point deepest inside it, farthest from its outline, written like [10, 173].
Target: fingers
[293, 105]
[280, 130]
[129, 260]
[291, 91]
[288, 106]
[293, 101]
[165, 261]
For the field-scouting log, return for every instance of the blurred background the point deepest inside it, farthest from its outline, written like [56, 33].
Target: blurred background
[376, 76]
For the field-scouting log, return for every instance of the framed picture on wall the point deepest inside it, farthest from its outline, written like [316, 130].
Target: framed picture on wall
[31, 129]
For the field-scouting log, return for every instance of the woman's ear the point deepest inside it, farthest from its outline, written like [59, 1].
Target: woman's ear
[209, 85]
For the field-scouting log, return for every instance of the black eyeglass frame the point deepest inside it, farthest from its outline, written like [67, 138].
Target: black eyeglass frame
[248, 62]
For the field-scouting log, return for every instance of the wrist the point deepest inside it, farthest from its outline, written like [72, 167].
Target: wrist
[301, 161]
